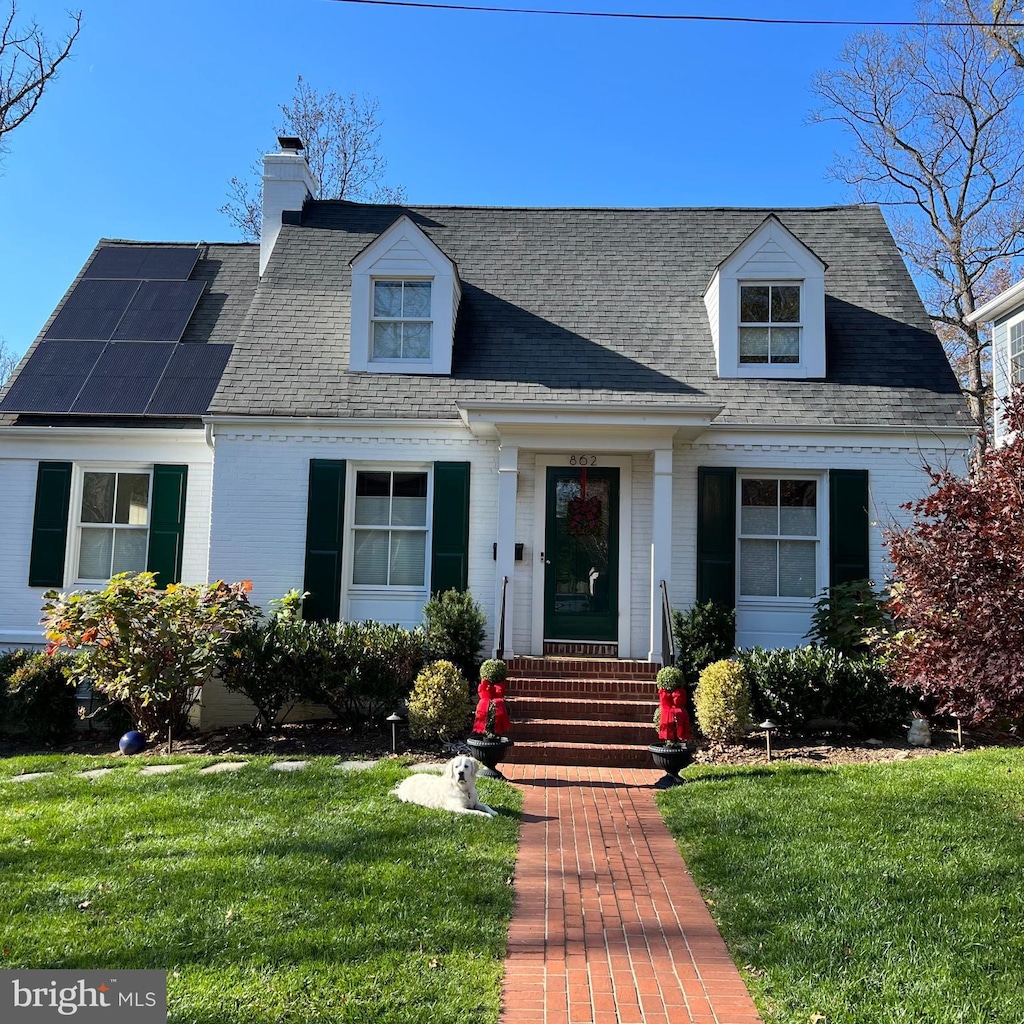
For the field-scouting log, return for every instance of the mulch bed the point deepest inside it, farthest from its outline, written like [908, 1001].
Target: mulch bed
[310, 739]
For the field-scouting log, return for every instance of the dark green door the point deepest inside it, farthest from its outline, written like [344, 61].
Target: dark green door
[581, 555]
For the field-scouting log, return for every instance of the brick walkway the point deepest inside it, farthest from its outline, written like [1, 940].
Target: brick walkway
[609, 927]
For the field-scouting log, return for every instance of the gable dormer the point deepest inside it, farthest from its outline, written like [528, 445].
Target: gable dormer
[766, 307]
[405, 298]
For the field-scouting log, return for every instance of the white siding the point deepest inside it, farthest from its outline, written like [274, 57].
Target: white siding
[20, 454]
[770, 262]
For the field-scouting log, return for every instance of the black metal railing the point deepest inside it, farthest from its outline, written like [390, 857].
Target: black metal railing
[668, 640]
[501, 619]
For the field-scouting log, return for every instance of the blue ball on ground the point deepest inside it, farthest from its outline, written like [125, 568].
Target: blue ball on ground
[132, 743]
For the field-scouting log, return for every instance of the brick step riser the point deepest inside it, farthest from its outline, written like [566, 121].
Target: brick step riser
[548, 667]
[581, 689]
[594, 710]
[583, 732]
[627, 757]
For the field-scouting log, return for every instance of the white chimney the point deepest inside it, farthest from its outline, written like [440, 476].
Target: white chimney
[287, 183]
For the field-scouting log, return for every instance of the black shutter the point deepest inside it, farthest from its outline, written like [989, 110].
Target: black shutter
[325, 526]
[449, 561]
[50, 525]
[716, 535]
[848, 551]
[167, 525]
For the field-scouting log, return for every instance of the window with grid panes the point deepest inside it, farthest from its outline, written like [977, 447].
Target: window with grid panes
[390, 529]
[113, 524]
[770, 323]
[1017, 352]
[401, 321]
[778, 537]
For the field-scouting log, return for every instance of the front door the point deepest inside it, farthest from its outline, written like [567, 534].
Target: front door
[581, 554]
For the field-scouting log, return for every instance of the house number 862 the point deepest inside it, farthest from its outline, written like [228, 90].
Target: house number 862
[582, 460]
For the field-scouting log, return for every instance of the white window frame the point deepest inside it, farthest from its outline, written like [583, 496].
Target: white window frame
[402, 279]
[798, 325]
[821, 525]
[1016, 359]
[74, 554]
[348, 558]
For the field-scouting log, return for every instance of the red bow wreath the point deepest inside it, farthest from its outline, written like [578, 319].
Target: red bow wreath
[491, 692]
[675, 722]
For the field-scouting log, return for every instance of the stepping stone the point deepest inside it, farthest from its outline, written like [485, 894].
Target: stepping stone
[161, 769]
[28, 776]
[95, 773]
[288, 766]
[429, 766]
[222, 766]
[356, 766]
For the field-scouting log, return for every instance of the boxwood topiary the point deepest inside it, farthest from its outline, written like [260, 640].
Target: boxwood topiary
[494, 670]
[439, 707]
[670, 678]
[722, 701]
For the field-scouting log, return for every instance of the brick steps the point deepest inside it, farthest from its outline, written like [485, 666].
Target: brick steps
[582, 711]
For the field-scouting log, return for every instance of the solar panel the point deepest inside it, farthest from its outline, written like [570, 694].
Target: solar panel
[92, 311]
[160, 311]
[189, 381]
[124, 379]
[53, 376]
[143, 262]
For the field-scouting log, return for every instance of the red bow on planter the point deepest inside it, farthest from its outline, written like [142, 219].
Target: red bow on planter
[675, 722]
[491, 692]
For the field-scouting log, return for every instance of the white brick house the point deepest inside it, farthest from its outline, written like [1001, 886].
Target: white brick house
[585, 403]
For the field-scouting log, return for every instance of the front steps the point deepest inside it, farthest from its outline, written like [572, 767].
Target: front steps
[582, 711]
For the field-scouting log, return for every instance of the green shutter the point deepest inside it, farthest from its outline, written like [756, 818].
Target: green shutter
[716, 535]
[325, 525]
[50, 525]
[167, 524]
[449, 559]
[849, 557]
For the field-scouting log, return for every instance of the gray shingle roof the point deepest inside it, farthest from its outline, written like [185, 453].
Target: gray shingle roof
[589, 305]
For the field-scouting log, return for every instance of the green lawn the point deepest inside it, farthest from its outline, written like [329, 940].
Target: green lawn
[267, 896]
[886, 894]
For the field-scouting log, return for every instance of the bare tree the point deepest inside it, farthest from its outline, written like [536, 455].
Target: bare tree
[934, 116]
[343, 147]
[1000, 20]
[28, 63]
[8, 361]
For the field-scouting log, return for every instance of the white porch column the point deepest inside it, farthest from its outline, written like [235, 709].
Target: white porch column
[508, 482]
[661, 543]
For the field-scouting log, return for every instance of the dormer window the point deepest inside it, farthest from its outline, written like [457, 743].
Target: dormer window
[770, 323]
[401, 320]
[766, 307]
[405, 299]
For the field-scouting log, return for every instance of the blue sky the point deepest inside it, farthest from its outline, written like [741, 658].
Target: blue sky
[164, 102]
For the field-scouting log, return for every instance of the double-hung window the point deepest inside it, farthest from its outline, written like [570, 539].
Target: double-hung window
[1017, 352]
[390, 529]
[113, 524]
[778, 537]
[402, 324]
[770, 324]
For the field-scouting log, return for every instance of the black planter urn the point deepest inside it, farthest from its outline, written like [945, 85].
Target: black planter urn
[489, 752]
[671, 760]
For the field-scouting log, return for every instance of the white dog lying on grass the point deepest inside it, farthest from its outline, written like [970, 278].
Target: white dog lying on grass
[453, 790]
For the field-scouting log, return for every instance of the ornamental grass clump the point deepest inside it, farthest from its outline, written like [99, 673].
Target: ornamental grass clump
[439, 706]
[722, 701]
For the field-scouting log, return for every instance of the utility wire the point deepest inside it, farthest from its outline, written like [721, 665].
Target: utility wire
[735, 19]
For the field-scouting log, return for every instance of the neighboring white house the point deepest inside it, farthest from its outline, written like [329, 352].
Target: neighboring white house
[586, 403]
[1005, 312]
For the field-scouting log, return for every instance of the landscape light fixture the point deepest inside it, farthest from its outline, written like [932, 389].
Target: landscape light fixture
[394, 718]
[769, 727]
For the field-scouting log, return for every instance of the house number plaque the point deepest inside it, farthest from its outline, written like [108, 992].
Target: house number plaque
[582, 460]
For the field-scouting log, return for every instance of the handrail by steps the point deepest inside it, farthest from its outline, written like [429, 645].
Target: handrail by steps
[668, 641]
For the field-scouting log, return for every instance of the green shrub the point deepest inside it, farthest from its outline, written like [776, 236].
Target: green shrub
[847, 615]
[817, 686]
[722, 701]
[388, 661]
[456, 627]
[670, 678]
[255, 666]
[703, 634]
[494, 670]
[439, 707]
[320, 661]
[39, 700]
